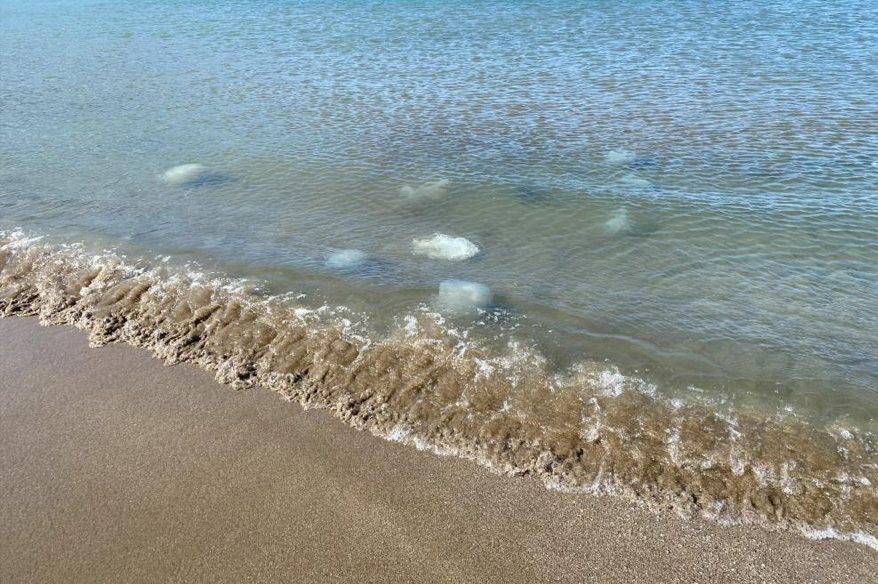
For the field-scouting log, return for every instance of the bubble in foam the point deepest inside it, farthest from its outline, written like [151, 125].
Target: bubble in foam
[445, 247]
[462, 296]
[427, 191]
[346, 259]
[620, 157]
[618, 221]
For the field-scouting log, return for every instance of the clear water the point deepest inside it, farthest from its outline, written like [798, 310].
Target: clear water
[688, 190]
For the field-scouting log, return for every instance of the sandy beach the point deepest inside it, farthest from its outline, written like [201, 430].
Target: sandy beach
[117, 468]
[438, 291]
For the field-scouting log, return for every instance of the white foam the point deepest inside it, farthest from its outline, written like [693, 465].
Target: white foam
[398, 434]
[445, 247]
[411, 326]
[673, 443]
[831, 533]
[431, 190]
[788, 484]
[485, 369]
[19, 241]
[463, 296]
[184, 173]
[404, 435]
[619, 157]
[612, 382]
[617, 222]
[736, 464]
[346, 258]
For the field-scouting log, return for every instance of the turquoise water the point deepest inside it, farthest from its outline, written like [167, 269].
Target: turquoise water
[626, 247]
[685, 190]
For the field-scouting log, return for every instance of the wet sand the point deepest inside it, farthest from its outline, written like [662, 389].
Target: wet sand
[117, 468]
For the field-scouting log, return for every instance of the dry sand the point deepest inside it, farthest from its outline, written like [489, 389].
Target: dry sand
[116, 468]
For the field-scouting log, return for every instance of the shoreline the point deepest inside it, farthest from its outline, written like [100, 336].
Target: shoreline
[591, 429]
[114, 463]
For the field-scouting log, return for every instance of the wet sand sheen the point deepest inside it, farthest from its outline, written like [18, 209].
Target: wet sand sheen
[114, 465]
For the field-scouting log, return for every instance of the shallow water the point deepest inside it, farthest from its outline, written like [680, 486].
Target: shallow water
[681, 195]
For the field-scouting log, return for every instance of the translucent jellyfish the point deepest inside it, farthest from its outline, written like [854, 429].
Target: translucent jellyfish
[346, 259]
[620, 157]
[445, 247]
[460, 296]
[183, 174]
[427, 191]
[617, 222]
[194, 175]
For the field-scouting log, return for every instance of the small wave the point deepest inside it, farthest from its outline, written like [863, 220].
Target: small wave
[589, 429]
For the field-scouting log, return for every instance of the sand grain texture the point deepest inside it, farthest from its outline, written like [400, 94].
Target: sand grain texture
[116, 468]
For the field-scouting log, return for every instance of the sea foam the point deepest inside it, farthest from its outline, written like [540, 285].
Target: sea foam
[445, 247]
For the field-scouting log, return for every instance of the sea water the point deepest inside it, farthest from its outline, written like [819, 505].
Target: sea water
[663, 221]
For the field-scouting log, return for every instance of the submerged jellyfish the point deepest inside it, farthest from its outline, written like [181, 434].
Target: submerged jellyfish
[427, 191]
[533, 195]
[463, 297]
[445, 247]
[617, 222]
[193, 175]
[346, 259]
[183, 173]
[635, 181]
[620, 157]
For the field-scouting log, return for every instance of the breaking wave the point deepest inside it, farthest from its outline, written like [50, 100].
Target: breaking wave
[586, 429]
